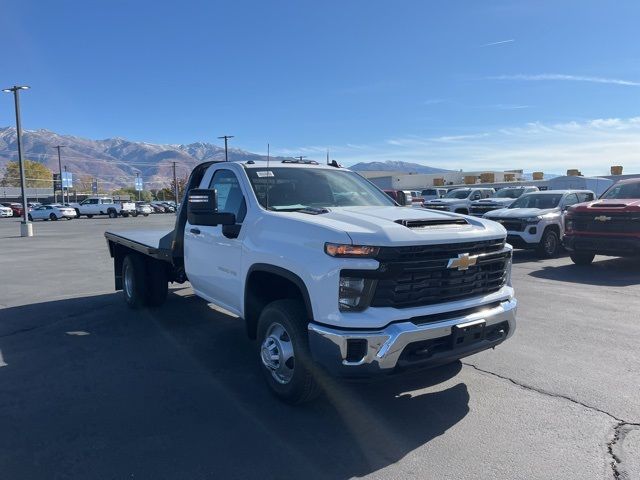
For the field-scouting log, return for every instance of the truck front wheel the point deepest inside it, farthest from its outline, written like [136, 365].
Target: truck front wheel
[113, 213]
[549, 244]
[582, 258]
[285, 359]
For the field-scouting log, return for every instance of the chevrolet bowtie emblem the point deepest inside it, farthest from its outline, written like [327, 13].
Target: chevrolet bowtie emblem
[463, 262]
[602, 218]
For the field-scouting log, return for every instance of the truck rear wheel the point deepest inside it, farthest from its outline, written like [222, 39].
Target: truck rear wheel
[134, 281]
[89, 216]
[113, 213]
[283, 349]
[582, 258]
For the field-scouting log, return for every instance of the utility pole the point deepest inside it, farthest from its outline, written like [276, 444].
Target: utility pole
[226, 137]
[26, 228]
[60, 171]
[138, 176]
[61, 185]
[175, 186]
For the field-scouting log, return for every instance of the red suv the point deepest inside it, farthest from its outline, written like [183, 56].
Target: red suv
[608, 226]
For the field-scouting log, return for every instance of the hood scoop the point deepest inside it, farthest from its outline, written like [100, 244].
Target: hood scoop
[436, 223]
[608, 205]
[313, 210]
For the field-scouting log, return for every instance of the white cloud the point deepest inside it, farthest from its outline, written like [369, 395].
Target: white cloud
[563, 77]
[591, 146]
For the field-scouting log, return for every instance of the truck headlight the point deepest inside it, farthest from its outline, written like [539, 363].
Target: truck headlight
[354, 293]
[354, 251]
[532, 220]
[507, 270]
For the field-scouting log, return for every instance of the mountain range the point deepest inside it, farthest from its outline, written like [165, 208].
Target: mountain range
[116, 161]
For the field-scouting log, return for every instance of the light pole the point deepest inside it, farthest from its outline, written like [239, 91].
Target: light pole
[175, 186]
[226, 137]
[26, 228]
[138, 176]
[60, 170]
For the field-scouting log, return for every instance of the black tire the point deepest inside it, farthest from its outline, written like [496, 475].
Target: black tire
[134, 281]
[146, 214]
[157, 283]
[77, 213]
[30, 217]
[135, 214]
[53, 217]
[124, 214]
[113, 214]
[582, 258]
[89, 216]
[549, 244]
[291, 315]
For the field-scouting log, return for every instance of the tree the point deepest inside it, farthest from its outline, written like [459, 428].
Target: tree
[145, 195]
[182, 184]
[36, 175]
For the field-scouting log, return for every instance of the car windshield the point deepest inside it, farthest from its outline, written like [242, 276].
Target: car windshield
[623, 190]
[297, 188]
[458, 194]
[430, 191]
[509, 193]
[537, 200]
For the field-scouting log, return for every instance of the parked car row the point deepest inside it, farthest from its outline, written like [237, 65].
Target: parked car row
[90, 207]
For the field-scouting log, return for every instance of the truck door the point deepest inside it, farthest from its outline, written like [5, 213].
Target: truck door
[212, 260]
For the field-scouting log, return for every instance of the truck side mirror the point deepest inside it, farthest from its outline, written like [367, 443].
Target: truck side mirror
[202, 209]
[402, 198]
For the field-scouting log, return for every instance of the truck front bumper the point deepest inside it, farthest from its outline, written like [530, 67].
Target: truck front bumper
[613, 245]
[415, 343]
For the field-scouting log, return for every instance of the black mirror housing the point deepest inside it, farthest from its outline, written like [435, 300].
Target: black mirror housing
[202, 209]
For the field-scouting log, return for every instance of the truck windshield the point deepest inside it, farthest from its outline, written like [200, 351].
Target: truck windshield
[509, 193]
[537, 200]
[623, 190]
[458, 194]
[293, 189]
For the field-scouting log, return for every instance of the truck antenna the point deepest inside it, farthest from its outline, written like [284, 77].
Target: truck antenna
[268, 186]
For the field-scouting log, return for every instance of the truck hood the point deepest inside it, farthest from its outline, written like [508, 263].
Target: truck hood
[503, 202]
[380, 225]
[445, 201]
[611, 205]
[521, 212]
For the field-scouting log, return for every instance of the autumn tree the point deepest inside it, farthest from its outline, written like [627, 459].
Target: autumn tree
[36, 174]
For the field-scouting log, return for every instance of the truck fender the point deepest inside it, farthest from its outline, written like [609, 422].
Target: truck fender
[254, 301]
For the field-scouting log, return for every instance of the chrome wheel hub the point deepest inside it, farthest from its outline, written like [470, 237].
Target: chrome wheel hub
[276, 353]
[128, 280]
[550, 244]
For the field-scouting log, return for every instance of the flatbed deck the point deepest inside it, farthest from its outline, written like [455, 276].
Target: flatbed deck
[148, 242]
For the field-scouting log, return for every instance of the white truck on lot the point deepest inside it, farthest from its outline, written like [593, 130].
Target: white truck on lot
[104, 206]
[459, 200]
[326, 271]
[502, 199]
[536, 220]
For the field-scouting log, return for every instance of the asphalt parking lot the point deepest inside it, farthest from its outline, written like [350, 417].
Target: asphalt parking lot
[91, 389]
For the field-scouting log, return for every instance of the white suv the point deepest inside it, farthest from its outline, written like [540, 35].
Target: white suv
[459, 200]
[536, 220]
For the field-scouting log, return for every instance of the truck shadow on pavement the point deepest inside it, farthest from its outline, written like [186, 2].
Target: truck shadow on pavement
[604, 271]
[92, 389]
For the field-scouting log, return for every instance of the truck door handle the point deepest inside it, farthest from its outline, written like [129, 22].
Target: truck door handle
[195, 231]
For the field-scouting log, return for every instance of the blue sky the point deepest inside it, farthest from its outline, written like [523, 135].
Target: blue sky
[459, 84]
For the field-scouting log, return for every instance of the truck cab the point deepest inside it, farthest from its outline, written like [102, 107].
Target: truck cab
[326, 272]
[607, 226]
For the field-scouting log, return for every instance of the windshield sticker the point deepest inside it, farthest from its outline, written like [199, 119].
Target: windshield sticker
[264, 173]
